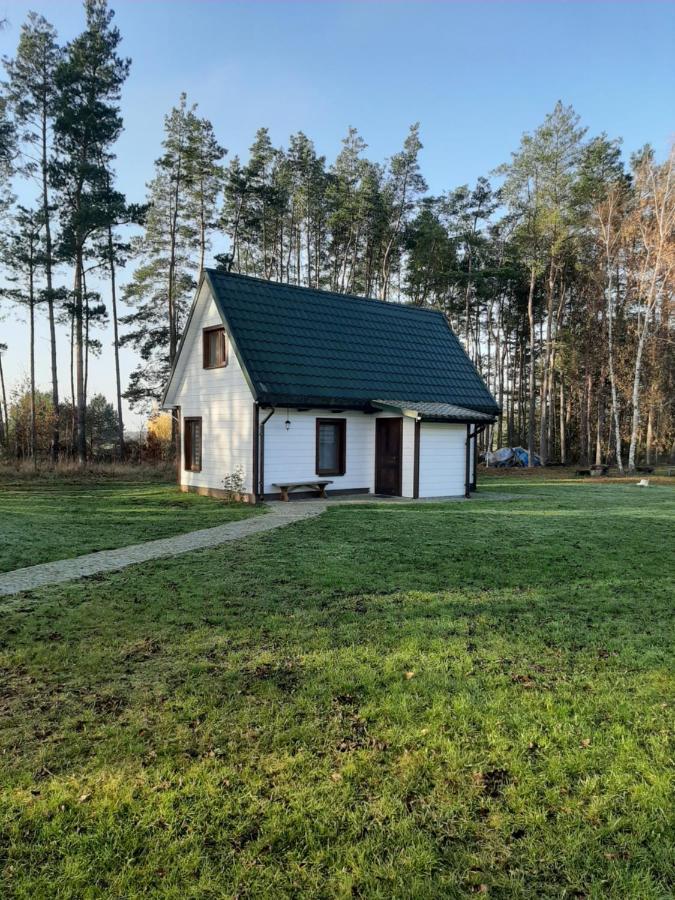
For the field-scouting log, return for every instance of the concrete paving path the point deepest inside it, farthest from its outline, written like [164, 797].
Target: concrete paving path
[279, 514]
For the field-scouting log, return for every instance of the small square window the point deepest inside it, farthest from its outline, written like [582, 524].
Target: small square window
[331, 444]
[215, 348]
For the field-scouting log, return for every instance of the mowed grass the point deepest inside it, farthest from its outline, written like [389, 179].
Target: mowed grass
[41, 521]
[431, 700]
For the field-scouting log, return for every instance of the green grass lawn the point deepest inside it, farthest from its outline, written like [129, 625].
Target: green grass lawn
[411, 701]
[41, 521]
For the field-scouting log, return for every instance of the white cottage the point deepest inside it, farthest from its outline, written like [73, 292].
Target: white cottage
[295, 389]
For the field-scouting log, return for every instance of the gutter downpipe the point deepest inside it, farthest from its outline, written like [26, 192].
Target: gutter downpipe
[467, 463]
[261, 455]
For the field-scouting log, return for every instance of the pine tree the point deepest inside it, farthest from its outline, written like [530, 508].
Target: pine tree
[257, 221]
[87, 124]
[102, 424]
[31, 92]
[308, 193]
[205, 178]
[539, 189]
[403, 185]
[233, 214]
[345, 210]
[7, 155]
[180, 219]
[7, 148]
[431, 256]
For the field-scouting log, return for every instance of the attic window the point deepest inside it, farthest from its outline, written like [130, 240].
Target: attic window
[215, 348]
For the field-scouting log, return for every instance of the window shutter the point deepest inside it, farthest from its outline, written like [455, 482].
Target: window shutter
[197, 445]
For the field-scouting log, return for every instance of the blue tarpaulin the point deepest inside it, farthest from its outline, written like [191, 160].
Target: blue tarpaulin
[523, 456]
[509, 457]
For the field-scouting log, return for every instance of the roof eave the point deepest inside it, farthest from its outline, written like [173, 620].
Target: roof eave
[176, 358]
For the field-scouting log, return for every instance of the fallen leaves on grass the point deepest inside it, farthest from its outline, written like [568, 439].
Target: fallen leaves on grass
[525, 681]
[142, 649]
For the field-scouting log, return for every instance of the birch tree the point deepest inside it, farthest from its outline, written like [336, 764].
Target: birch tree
[604, 189]
[653, 225]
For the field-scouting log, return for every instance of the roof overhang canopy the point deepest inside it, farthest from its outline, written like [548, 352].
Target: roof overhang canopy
[433, 412]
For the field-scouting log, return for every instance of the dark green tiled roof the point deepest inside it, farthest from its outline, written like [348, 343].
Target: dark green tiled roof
[315, 348]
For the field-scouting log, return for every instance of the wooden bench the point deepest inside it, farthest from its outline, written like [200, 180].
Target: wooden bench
[288, 486]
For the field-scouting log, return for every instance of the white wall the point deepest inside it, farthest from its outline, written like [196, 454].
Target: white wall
[408, 468]
[222, 398]
[290, 455]
[442, 460]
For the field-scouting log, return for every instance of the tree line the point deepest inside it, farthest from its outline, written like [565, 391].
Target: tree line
[556, 270]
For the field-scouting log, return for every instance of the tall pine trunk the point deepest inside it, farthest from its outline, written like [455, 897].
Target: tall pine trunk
[116, 340]
[73, 403]
[56, 438]
[531, 407]
[79, 360]
[33, 415]
[3, 397]
[563, 424]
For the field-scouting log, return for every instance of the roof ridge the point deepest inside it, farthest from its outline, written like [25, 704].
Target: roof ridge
[392, 304]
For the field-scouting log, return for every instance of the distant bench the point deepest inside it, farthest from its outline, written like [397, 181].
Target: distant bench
[597, 469]
[601, 469]
[287, 487]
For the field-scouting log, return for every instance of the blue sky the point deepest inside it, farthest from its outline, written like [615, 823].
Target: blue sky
[475, 75]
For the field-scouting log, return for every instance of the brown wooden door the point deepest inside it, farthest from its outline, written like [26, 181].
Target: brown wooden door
[388, 459]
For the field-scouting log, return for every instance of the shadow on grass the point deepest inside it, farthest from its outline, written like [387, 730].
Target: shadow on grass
[409, 701]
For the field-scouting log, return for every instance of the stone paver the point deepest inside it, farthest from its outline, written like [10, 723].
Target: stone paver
[279, 514]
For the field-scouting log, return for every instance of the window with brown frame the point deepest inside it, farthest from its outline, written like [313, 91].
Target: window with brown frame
[215, 347]
[192, 444]
[331, 446]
